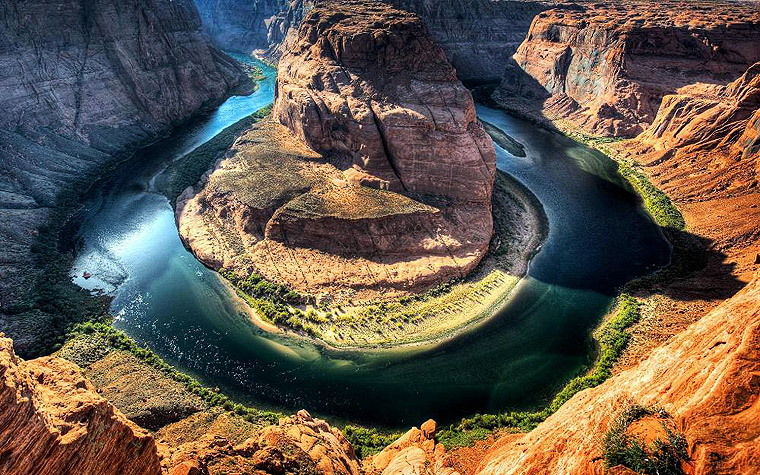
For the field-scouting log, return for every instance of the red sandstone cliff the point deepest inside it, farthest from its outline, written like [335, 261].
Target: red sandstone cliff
[606, 66]
[52, 422]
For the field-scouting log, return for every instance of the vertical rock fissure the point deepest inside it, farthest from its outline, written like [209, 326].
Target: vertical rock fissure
[386, 148]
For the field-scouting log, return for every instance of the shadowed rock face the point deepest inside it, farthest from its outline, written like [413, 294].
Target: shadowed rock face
[52, 421]
[367, 82]
[478, 36]
[606, 67]
[83, 81]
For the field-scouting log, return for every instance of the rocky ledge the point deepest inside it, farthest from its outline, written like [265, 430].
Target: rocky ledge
[378, 184]
[606, 66]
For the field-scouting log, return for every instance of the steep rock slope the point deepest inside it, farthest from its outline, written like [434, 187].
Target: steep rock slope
[607, 66]
[84, 81]
[53, 422]
[706, 377]
[398, 197]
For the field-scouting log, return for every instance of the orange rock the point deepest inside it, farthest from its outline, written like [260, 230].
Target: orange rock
[53, 422]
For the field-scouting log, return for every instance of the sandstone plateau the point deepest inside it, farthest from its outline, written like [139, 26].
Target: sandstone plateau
[389, 177]
[85, 82]
[606, 66]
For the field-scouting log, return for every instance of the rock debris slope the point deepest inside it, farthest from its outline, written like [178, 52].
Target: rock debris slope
[83, 81]
[393, 192]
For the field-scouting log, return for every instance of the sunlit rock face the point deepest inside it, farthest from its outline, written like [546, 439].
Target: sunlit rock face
[52, 421]
[606, 66]
[84, 81]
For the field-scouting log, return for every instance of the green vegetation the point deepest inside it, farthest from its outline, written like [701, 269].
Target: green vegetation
[366, 441]
[661, 457]
[120, 341]
[656, 202]
[189, 170]
[612, 339]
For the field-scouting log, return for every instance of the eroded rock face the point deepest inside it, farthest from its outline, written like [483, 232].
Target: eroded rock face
[711, 132]
[706, 377]
[83, 81]
[478, 36]
[367, 82]
[297, 445]
[415, 452]
[607, 66]
[52, 421]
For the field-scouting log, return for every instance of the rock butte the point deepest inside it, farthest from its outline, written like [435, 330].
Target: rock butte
[397, 197]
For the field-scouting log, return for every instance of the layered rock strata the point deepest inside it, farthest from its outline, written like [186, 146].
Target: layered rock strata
[52, 422]
[84, 81]
[393, 193]
[606, 67]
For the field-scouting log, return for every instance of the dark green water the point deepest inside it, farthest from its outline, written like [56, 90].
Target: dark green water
[599, 238]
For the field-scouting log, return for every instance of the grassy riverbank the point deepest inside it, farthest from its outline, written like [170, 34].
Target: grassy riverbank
[612, 338]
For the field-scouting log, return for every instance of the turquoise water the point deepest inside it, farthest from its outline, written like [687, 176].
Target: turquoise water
[599, 238]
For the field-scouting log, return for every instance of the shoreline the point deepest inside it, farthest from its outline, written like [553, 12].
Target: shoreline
[497, 296]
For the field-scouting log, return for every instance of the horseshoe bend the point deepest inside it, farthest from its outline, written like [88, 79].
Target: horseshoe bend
[374, 237]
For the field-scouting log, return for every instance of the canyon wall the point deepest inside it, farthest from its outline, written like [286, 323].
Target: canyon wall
[82, 82]
[606, 67]
[52, 421]
[391, 192]
[702, 149]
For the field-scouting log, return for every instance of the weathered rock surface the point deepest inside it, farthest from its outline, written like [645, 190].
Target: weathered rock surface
[706, 377]
[53, 422]
[297, 445]
[606, 66]
[398, 197]
[415, 452]
[367, 82]
[83, 81]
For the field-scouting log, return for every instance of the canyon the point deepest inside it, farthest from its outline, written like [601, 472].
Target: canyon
[369, 108]
[84, 83]
[605, 68]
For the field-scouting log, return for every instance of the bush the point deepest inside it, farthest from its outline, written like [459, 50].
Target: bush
[366, 441]
[661, 457]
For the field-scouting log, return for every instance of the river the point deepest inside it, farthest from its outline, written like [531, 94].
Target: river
[599, 238]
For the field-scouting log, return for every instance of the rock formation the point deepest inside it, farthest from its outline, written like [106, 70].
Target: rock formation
[297, 445]
[397, 197]
[53, 422]
[706, 377]
[606, 66]
[414, 452]
[84, 81]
